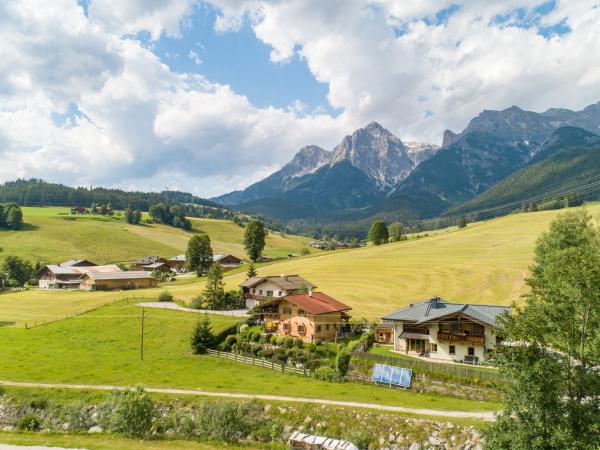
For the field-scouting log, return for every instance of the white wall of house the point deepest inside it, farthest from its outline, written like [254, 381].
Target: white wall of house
[399, 344]
[266, 286]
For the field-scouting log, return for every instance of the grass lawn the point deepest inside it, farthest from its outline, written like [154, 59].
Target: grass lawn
[51, 235]
[102, 347]
[110, 442]
[485, 263]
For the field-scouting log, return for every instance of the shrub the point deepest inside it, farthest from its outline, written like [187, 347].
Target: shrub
[361, 437]
[227, 421]
[255, 336]
[280, 341]
[288, 342]
[318, 342]
[231, 339]
[77, 417]
[279, 356]
[299, 343]
[129, 412]
[28, 422]
[312, 347]
[244, 328]
[325, 373]
[304, 251]
[181, 423]
[255, 348]
[165, 296]
[273, 339]
[342, 360]
[197, 302]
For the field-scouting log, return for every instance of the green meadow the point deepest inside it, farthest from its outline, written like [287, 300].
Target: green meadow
[51, 235]
[103, 347]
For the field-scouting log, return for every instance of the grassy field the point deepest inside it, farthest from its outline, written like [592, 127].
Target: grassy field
[484, 263]
[52, 235]
[108, 442]
[103, 347]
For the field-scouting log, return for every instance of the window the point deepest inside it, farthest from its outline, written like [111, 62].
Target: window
[455, 327]
[286, 327]
[477, 330]
[279, 293]
[287, 310]
[471, 351]
[433, 348]
[301, 329]
[318, 329]
[301, 312]
[253, 291]
[452, 350]
[445, 327]
[269, 293]
[260, 292]
[327, 327]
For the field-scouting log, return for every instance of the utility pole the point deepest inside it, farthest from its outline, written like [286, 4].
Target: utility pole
[142, 339]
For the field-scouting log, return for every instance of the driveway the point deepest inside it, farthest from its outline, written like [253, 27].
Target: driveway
[175, 307]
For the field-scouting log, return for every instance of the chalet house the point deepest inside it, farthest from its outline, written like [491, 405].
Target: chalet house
[68, 275]
[177, 263]
[99, 281]
[227, 261]
[308, 316]
[140, 264]
[458, 332]
[159, 266]
[257, 290]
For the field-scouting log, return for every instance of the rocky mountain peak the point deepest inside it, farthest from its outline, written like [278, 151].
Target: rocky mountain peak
[307, 160]
[377, 153]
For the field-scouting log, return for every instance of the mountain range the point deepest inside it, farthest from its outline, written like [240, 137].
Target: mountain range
[372, 172]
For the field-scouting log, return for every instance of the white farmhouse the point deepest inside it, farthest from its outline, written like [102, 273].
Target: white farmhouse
[438, 329]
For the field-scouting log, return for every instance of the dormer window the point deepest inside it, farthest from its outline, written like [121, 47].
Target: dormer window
[279, 293]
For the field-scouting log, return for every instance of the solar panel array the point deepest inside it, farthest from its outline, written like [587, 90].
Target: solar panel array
[394, 376]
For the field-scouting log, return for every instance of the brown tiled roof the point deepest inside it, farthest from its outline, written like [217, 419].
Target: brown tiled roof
[284, 281]
[315, 303]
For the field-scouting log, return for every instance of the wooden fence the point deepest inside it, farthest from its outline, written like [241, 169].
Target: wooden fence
[261, 362]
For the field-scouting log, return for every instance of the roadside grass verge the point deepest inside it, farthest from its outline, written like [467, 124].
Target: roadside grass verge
[103, 347]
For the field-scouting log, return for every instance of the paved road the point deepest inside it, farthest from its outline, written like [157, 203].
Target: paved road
[176, 307]
[427, 412]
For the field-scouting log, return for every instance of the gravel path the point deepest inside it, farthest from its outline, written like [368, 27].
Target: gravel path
[427, 412]
[176, 307]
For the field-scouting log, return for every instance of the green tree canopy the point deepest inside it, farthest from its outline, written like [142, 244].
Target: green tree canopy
[17, 269]
[199, 254]
[554, 350]
[462, 221]
[251, 270]
[214, 292]
[395, 231]
[378, 233]
[202, 336]
[254, 239]
[11, 216]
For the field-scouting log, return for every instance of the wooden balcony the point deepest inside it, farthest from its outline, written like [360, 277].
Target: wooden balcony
[463, 338]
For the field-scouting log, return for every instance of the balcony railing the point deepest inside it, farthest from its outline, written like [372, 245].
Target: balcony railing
[466, 338]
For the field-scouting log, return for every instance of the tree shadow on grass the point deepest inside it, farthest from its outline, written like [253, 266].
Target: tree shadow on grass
[7, 324]
[24, 227]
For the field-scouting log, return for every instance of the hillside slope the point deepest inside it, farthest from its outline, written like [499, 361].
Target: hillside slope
[486, 262]
[568, 163]
[52, 235]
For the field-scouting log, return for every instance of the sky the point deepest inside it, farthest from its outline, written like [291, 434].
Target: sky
[209, 97]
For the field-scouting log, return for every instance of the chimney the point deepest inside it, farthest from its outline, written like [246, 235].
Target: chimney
[310, 292]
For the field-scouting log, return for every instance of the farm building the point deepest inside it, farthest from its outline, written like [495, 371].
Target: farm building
[309, 316]
[177, 263]
[67, 275]
[141, 263]
[439, 329]
[257, 290]
[97, 281]
[159, 266]
[227, 261]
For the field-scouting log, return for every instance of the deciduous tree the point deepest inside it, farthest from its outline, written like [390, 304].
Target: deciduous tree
[199, 254]
[254, 239]
[378, 233]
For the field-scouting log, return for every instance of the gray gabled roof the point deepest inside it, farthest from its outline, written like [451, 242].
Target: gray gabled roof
[287, 282]
[130, 275]
[77, 262]
[436, 308]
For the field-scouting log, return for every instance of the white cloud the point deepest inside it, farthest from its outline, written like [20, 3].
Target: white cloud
[141, 124]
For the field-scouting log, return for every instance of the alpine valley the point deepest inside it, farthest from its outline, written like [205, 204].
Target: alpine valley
[373, 173]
